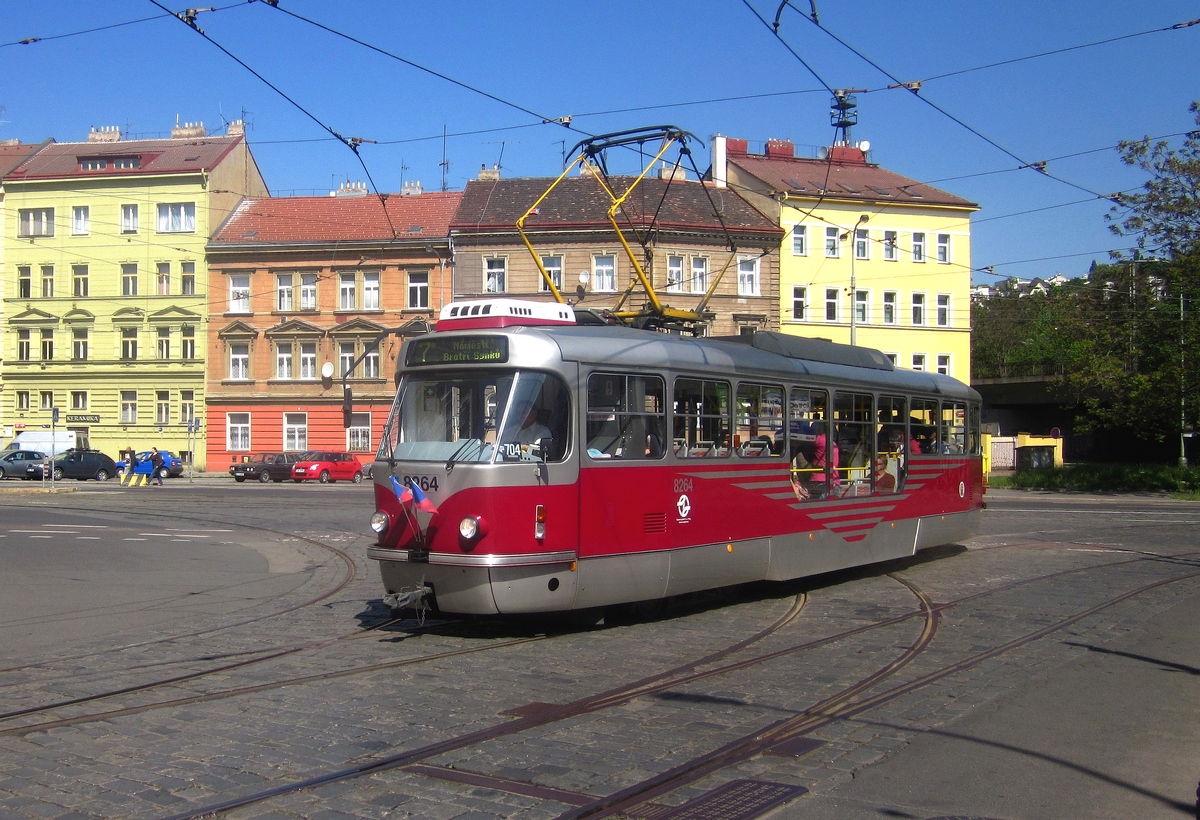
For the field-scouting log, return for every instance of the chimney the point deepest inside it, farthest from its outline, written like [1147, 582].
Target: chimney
[348, 188]
[411, 188]
[489, 174]
[105, 133]
[237, 128]
[671, 172]
[780, 149]
[720, 170]
[735, 147]
[187, 131]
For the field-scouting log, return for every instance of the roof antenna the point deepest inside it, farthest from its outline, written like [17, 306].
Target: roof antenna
[445, 163]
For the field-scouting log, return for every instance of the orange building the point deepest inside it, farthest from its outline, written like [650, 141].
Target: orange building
[300, 290]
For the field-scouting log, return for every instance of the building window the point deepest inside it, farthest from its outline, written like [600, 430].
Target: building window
[163, 278]
[79, 344]
[187, 278]
[129, 218]
[371, 291]
[891, 357]
[128, 407]
[93, 164]
[187, 406]
[24, 352]
[164, 342]
[832, 296]
[889, 246]
[918, 361]
[889, 307]
[177, 217]
[129, 343]
[943, 364]
[347, 292]
[833, 243]
[799, 240]
[699, 274]
[283, 360]
[675, 273]
[126, 163]
[553, 266]
[418, 289]
[371, 364]
[918, 248]
[79, 280]
[47, 281]
[80, 219]
[47, 399]
[308, 291]
[237, 431]
[22, 400]
[346, 359]
[358, 434]
[295, 431]
[918, 308]
[47, 345]
[799, 303]
[162, 406]
[604, 273]
[494, 275]
[748, 276]
[239, 361]
[79, 400]
[308, 360]
[943, 248]
[35, 222]
[24, 282]
[187, 346]
[283, 292]
[862, 301]
[943, 310]
[129, 279]
[239, 293]
[862, 243]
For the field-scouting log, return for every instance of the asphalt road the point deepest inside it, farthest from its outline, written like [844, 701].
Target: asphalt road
[204, 643]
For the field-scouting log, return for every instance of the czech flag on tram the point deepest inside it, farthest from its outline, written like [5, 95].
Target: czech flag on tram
[410, 495]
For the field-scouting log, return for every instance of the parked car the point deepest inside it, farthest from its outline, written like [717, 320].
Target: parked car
[264, 467]
[327, 467]
[172, 464]
[14, 463]
[81, 464]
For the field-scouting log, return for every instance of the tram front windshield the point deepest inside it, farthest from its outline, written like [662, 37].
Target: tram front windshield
[481, 416]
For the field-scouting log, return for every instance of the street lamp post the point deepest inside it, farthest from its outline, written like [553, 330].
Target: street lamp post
[854, 280]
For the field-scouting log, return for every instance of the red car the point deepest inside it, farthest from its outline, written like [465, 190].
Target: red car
[327, 467]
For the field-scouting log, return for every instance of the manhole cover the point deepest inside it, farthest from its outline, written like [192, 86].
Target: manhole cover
[736, 800]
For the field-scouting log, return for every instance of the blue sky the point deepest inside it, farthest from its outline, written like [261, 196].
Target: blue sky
[676, 63]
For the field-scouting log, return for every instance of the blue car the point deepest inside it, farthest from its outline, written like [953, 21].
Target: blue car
[172, 464]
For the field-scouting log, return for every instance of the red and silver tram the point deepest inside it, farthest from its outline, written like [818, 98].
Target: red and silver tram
[534, 462]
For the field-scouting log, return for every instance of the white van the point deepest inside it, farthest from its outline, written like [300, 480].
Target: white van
[52, 444]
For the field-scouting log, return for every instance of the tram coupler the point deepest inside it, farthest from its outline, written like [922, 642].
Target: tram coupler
[407, 599]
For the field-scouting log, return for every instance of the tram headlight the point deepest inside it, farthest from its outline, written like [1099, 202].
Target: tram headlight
[468, 528]
[379, 523]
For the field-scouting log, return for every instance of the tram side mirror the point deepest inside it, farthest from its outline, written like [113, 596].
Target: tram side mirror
[347, 407]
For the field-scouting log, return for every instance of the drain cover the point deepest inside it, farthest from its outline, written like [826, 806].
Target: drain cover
[736, 800]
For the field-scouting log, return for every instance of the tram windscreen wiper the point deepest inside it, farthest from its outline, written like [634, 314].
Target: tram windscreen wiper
[466, 443]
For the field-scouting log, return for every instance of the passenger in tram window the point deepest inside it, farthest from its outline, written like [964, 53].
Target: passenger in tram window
[810, 465]
[885, 480]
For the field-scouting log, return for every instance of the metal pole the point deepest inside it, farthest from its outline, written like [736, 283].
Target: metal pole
[854, 280]
[1183, 462]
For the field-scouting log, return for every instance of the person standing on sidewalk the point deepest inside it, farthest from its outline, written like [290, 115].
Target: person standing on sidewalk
[156, 459]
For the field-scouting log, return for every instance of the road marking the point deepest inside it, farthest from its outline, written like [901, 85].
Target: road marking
[53, 532]
[178, 529]
[41, 536]
[88, 538]
[133, 539]
[173, 535]
[81, 526]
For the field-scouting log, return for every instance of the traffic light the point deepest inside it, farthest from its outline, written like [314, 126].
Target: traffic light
[347, 407]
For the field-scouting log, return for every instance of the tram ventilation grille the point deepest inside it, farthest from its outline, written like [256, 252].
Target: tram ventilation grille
[655, 522]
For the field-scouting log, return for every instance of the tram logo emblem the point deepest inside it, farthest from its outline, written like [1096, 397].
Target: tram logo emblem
[684, 506]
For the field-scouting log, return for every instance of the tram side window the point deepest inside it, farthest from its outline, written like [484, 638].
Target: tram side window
[974, 442]
[759, 431]
[923, 420]
[853, 425]
[701, 419]
[809, 448]
[954, 427]
[891, 444]
[626, 416]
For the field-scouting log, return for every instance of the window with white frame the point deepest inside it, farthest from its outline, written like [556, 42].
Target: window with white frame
[418, 289]
[918, 361]
[164, 342]
[347, 291]
[832, 296]
[554, 267]
[47, 344]
[239, 293]
[890, 300]
[699, 274]
[889, 246]
[799, 303]
[799, 240]
[495, 272]
[24, 282]
[346, 358]
[22, 400]
[675, 273]
[918, 308]
[79, 344]
[47, 397]
[943, 248]
[79, 400]
[177, 217]
[237, 431]
[833, 243]
[239, 360]
[371, 291]
[187, 406]
[80, 220]
[163, 278]
[283, 360]
[79, 280]
[35, 222]
[604, 273]
[162, 406]
[283, 292]
[891, 357]
[748, 276]
[943, 310]
[918, 247]
[187, 278]
[862, 243]
[187, 345]
[295, 431]
[47, 281]
[308, 360]
[862, 303]
[370, 364]
[308, 291]
[129, 343]
[129, 219]
[129, 407]
[943, 364]
[24, 345]
[358, 434]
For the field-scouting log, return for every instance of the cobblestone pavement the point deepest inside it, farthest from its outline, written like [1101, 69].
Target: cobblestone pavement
[358, 697]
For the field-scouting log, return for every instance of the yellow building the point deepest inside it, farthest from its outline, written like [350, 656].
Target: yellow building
[869, 257]
[106, 287]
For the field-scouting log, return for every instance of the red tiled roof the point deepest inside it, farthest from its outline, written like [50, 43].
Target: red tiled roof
[580, 202]
[13, 155]
[853, 180]
[165, 156]
[313, 219]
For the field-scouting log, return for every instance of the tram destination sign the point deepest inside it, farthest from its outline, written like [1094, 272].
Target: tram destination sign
[430, 350]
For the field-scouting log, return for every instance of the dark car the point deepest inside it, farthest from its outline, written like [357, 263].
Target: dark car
[264, 467]
[80, 464]
[14, 463]
[172, 464]
[326, 466]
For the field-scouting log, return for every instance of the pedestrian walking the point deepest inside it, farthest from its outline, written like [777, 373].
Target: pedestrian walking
[156, 460]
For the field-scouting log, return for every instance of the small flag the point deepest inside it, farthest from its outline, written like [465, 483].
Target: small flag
[402, 492]
[420, 500]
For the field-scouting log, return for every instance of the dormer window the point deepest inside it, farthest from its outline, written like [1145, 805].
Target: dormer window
[126, 163]
[93, 164]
